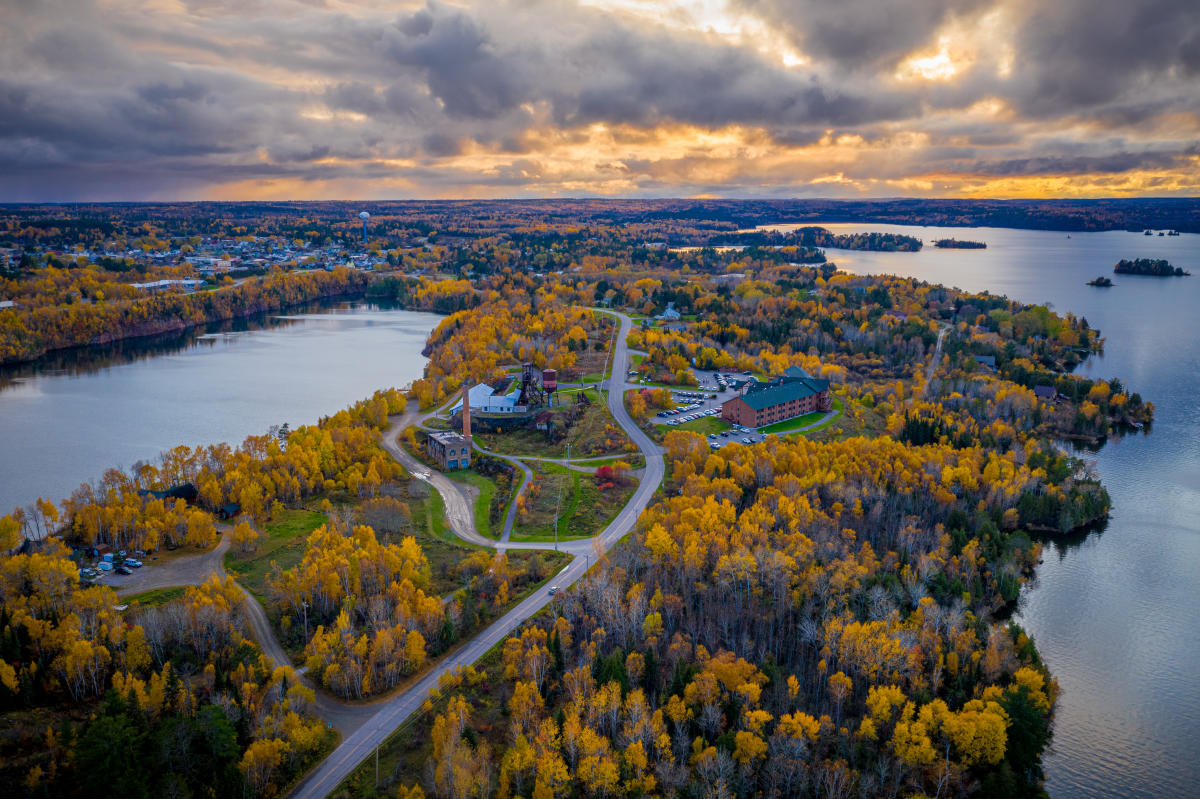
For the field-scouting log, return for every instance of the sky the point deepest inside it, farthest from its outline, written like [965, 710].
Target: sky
[106, 100]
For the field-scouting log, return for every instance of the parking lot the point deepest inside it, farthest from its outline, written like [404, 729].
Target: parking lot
[705, 402]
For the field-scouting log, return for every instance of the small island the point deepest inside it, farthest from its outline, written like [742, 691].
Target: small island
[1149, 266]
[955, 244]
[1102, 281]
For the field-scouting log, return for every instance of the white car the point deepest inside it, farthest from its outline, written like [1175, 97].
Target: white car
[553, 590]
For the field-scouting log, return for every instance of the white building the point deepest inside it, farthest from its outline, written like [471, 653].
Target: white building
[484, 399]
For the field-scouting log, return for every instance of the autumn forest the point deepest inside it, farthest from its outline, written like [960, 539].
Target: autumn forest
[822, 613]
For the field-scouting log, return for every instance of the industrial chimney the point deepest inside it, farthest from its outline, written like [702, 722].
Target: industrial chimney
[466, 412]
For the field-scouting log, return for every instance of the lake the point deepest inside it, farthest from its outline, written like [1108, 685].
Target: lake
[67, 418]
[1115, 614]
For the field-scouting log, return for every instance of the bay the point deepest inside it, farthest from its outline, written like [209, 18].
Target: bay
[1114, 613]
[71, 416]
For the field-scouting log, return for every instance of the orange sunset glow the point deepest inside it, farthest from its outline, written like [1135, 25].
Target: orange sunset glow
[284, 99]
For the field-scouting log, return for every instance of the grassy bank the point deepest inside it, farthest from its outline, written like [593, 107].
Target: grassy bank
[284, 545]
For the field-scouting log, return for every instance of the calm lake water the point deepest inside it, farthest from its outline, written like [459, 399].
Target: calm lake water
[1115, 614]
[67, 419]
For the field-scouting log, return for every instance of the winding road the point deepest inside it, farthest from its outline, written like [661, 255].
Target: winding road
[365, 726]
[390, 713]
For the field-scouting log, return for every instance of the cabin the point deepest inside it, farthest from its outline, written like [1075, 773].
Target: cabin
[1045, 393]
[793, 394]
[185, 491]
[449, 450]
[988, 361]
[229, 511]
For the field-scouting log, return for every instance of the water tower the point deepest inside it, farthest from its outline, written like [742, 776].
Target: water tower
[549, 384]
[364, 216]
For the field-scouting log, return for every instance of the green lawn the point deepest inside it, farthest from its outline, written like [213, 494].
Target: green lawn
[156, 596]
[429, 517]
[483, 502]
[789, 425]
[704, 425]
[286, 537]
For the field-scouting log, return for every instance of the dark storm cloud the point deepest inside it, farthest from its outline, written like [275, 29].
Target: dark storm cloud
[1074, 165]
[230, 91]
[1077, 55]
[652, 78]
[860, 34]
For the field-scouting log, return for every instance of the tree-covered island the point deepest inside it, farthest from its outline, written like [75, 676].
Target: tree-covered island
[1153, 267]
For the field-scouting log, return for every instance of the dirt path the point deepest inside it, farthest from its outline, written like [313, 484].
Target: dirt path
[183, 570]
[937, 353]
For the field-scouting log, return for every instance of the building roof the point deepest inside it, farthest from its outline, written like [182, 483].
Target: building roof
[796, 371]
[485, 396]
[1045, 391]
[784, 389]
[986, 360]
[448, 438]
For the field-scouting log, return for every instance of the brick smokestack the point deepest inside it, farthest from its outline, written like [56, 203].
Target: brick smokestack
[466, 411]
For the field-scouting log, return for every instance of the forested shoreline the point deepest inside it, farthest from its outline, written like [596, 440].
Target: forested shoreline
[817, 615]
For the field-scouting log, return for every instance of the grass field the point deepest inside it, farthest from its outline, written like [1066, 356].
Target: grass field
[486, 489]
[704, 426]
[284, 545]
[444, 558]
[156, 596]
[585, 510]
[856, 420]
[429, 517]
[787, 425]
[790, 425]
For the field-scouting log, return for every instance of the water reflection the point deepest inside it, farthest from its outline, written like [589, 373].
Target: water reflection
[95, 358]
[66, 418]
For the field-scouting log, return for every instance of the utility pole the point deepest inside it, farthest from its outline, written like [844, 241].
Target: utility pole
[304, 604]
[557, 513]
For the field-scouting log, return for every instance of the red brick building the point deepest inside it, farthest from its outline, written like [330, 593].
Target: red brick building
[794, 394]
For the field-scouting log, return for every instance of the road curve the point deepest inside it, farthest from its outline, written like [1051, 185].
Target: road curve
[357, 746]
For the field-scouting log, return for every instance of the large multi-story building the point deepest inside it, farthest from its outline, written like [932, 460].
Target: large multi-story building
[793, 394]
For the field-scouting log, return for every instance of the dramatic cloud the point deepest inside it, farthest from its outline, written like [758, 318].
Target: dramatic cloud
[161, 99]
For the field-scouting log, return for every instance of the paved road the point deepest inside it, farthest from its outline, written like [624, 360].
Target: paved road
[510, 517]
[357, 746]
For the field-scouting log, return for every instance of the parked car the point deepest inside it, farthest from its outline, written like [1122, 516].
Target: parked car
[137, 564]
[123, 570]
